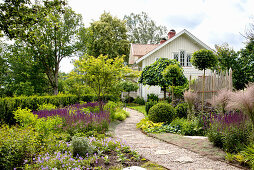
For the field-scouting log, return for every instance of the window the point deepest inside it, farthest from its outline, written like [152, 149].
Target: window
[176, 56]
[188, 63]
[182, 58]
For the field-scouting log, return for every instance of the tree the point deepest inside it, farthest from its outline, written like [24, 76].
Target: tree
[25, 75]
[227, 57]
[51, 36]
[174, 73]
[202, 60]
[101, 73]
[246, 60]
[152, 75]
[128, 86]
[107, 37]
[3, 69]
[143, 30]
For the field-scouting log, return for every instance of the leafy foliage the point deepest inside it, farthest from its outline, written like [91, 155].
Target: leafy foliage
[152, 97]
[181, 110]
[101, 73]
[139, 100]
[149, 104]
[81, 146]
[143, 30]
[161, 112]
[203, 59]
[152, 75]
[107, 37]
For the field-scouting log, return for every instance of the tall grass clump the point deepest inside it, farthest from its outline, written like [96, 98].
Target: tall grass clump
[190, 98]
[244, 101]
[220, 101]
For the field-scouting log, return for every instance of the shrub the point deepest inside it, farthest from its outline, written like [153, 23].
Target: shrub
[152, 97]
[181, 110]
[81, 146]
[145, 124]
[139, 100]
[230, 131]
[25, 117]
[17, 144]
[121, 114]
[150, 104]
[187, 127]
[161, 112]
[111, 107]
[248, 154]
[46, 106]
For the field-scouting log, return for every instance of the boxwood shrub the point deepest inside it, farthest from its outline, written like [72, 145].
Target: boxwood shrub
[161, 112]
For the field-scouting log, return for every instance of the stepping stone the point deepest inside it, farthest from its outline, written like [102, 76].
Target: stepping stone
[185, 159]
[196, 137]
[163, 152]
[134, 168]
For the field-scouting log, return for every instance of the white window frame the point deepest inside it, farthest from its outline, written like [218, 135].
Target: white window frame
[183, 61]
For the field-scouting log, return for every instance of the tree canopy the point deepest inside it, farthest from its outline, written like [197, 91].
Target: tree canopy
[101, 73]
[107, 36]
[152, 75]
[143, 30]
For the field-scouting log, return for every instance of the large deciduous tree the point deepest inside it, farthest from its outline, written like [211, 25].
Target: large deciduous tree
[202, 60]
[152, 75]
[143, 30]
[107, 36]
[51, 36]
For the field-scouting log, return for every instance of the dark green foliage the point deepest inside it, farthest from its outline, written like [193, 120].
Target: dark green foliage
[181, 110]
[248, 154]
[139, 100]
[203, 59]
[128, 99]
[8, 105]
[152, 75]
[161, 112]
[81, 146]
[150, 104]
[152, 97]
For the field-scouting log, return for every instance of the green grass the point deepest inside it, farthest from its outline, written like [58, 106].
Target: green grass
[139, 108]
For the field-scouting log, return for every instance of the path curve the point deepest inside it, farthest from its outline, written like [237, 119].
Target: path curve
[162, 153]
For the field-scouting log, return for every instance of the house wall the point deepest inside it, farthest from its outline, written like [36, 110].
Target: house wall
[180, 43]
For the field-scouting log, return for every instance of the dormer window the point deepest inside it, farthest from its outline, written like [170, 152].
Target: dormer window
[183, 58]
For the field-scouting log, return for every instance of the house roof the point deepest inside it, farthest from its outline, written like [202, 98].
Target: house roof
[142, 49]
[159, 46]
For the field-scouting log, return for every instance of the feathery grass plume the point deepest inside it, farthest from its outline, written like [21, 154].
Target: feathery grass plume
[221, 100]
[190, 98]
[244, 101]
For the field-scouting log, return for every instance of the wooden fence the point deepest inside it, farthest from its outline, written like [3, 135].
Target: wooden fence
[213, 83]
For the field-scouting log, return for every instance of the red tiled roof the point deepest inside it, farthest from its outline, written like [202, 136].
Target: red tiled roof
[142, 49]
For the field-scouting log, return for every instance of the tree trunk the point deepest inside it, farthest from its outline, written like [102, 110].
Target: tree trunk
[165, 92]
[203, 93]
[172, 93]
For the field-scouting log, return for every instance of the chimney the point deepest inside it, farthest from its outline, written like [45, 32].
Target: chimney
[163, 40]
[171, 33]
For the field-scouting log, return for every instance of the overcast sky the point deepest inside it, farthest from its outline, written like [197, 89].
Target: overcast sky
[212, 21]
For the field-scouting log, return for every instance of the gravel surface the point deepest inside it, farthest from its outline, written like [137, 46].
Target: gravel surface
[162, 153]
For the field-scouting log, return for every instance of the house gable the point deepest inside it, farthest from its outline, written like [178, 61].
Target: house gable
[178, 41]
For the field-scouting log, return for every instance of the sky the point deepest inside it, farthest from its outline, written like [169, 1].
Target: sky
[211, 21]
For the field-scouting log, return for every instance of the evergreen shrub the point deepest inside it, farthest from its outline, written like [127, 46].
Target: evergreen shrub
[161, 112]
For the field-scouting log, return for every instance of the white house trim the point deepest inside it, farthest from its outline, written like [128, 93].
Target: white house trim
[172, 39]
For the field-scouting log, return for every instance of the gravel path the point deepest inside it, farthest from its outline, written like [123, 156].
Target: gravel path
[162, 153]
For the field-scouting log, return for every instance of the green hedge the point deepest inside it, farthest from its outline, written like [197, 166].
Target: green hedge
[10, 104]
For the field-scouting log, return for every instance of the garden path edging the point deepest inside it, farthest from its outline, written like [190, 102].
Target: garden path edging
[160, 152]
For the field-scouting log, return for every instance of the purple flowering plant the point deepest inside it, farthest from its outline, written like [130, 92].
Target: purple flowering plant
[77, 119]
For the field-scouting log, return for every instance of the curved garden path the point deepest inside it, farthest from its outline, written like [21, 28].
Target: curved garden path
[162, 153]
